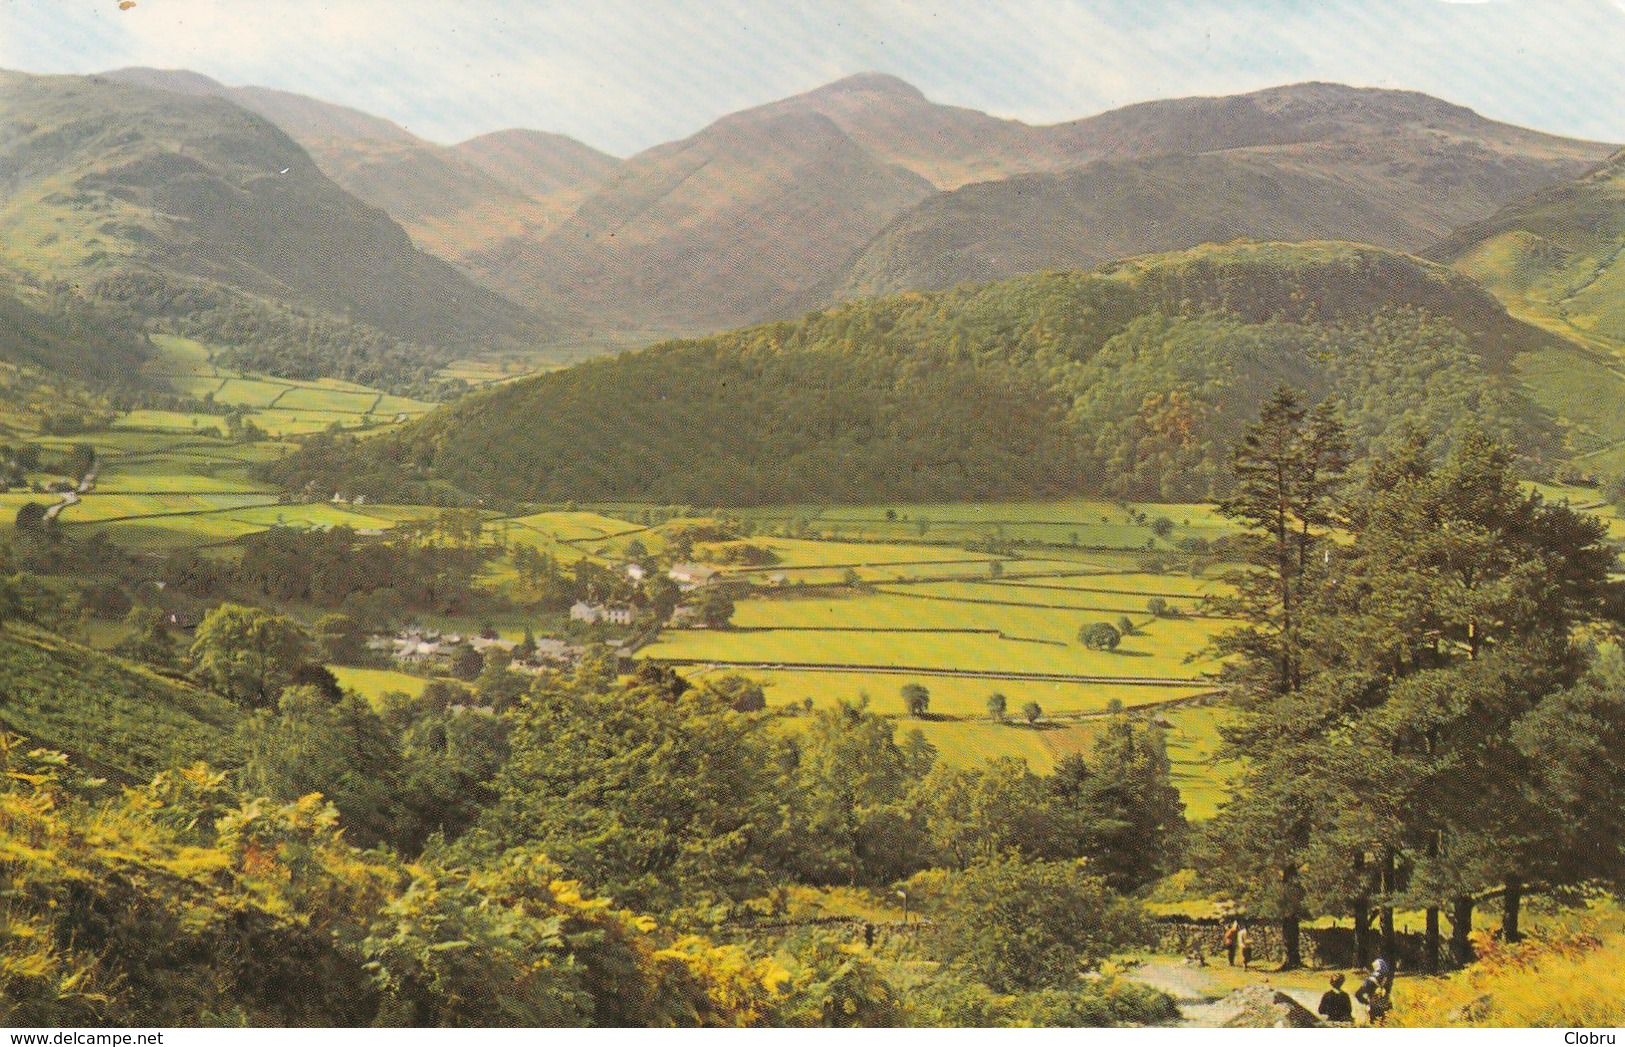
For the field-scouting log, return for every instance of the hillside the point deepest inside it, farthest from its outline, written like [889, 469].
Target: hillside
[537, 162]
[105, 181]
[56, 331]
[1557, 255]
[1131, 381]
[1311, 161]
[865, 186]
[122, 720]
[452, 200]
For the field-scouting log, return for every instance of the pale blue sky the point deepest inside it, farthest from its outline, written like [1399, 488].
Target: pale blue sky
[626, 74]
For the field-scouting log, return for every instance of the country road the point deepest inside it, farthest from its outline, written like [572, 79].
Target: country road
[72, 497]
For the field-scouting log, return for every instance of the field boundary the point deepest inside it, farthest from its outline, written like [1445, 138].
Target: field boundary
[1059, 607]
[904, 629]
[920, 670]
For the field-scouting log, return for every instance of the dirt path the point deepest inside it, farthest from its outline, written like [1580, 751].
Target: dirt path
[1198, 990]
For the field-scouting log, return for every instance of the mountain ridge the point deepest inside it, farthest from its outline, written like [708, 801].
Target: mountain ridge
[452, 199]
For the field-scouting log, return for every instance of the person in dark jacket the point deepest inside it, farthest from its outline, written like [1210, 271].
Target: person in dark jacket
[1335, 1005]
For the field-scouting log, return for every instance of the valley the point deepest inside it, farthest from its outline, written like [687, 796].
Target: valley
[867, 562]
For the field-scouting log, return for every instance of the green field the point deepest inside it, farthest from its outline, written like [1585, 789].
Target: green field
[279, 406]
[939, 609]
[888, 629]
[959, 697]
[1094, 522]
[933, 609]
[373, 684]
[170, 479]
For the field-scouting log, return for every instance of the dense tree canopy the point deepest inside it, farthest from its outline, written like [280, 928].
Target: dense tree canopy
[1132, 382]
[1398, 685]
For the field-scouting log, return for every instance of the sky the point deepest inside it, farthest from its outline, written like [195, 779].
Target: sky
[623, 75]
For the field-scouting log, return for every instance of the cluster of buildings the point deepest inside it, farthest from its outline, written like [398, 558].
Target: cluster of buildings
[422, 647]
[688, 577]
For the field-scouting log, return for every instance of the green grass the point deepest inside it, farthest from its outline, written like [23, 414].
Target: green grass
[970, 744]
[951, 696]
[1088, 522]
[1053, 593]
[1024, 639]
[96, 506]
[1584, 390]
[373, 684]
[569, 526]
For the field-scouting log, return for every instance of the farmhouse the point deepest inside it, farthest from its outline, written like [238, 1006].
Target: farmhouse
[582, 611]
[690, 576]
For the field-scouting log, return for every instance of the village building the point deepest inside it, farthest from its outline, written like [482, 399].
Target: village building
[690, 576]
[618, 614]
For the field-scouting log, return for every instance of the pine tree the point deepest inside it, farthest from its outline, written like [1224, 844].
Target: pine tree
[1289, 468]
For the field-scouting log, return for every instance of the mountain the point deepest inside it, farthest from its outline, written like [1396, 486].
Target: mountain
[1555, 260]
[537, 162]
[1311, 161]
[865, 186]
[451, 199]
[192, 208]
[1132, 380]
[949, 146]
[715, 230]
[738, 222]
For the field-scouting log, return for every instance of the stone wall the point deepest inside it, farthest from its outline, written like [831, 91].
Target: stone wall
[1320, 946]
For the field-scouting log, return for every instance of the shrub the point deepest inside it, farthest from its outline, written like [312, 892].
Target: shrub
[1016, 924]
[1100, 636]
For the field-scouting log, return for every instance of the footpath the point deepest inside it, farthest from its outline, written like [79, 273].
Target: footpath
[1212, 996]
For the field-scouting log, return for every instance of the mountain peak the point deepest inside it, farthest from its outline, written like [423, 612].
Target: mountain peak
[181, 81]
[878, 84]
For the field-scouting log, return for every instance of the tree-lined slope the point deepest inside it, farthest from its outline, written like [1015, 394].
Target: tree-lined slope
[1131, 380]
[120, 718]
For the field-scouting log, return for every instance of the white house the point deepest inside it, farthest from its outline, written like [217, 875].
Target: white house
[582, 611]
